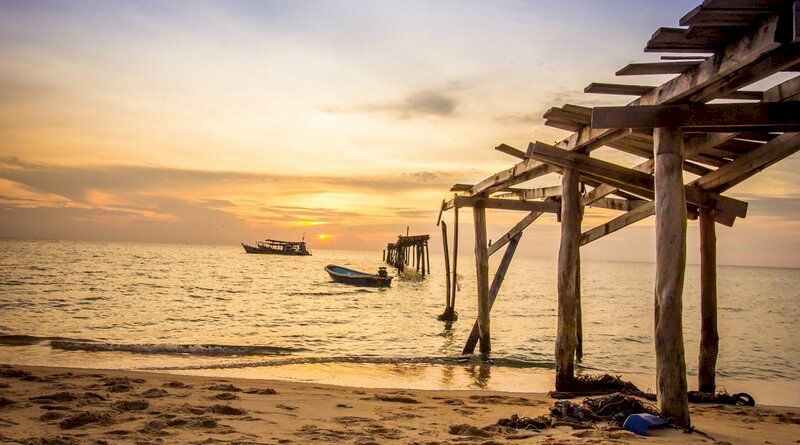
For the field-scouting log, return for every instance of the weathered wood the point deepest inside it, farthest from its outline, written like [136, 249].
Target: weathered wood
[635, 181]
[639, 213]
[536, 193]
[497, 281]
[670, 204]
[511, 151]
[769, 116]
[676, 40]
[516, 230]
[455, 259]
[568, 257]
[578, 312]
[639, 90]
[639, 69]
[447, 306]
[709, 336]
[617, 204]
[441, 209]
[482, 279]
[505, 204]
[750, 163]
[705, 16]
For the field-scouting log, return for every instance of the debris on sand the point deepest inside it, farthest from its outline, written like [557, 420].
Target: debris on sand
[85, 418]
[722, 397]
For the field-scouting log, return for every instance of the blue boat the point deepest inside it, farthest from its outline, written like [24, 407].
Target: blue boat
[352, 277]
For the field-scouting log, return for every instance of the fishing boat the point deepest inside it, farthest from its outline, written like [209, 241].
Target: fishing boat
[344, 275]
[275, 247]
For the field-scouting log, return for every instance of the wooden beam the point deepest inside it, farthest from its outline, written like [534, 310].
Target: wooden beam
[536, 193]
[704, 16]
[639, 213]
[771, 116]
[482, 279]
[750, 163]
[617, 204]
[636, 182]
[497, 281]
[516, 230]
[639, 90]
[509, 150]
[568, 260]
[506, 204]
[647, 68]
[670, 205]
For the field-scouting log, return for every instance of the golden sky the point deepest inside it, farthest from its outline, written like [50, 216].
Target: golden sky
[219, 122]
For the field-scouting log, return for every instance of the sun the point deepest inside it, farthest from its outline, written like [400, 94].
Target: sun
[323, 237]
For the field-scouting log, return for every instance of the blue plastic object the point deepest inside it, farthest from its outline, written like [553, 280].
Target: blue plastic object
[640, 423]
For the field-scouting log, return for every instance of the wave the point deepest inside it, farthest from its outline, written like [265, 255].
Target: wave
[173, 349]
[30, 340]
[374, 360]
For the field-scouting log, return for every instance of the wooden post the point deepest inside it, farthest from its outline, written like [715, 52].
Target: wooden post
[497, 281]
[384, 255]
[568, 257]
[482, 268]
[709, 337]
[670, 267]
[455, 258]
[578, 312]
[427, 257]
[446, 267]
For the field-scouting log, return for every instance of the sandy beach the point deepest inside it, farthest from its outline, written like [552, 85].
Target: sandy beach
[43, 405]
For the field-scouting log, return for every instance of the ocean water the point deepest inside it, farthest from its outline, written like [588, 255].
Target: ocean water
[214, 310]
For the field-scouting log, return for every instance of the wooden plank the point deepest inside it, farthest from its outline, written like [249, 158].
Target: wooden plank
[647, 68]
[516, 230]
[698, 58]
[568, 261]
[482, 279]
[441, 209]
[619, 89]
[704, 16]
[670, 205]
[679, 40]
[772, 116]
[497, 281]
[560, 115]
[506, 204]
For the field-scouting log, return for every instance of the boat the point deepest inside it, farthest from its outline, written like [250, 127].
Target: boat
[275, 247]
[344, 275]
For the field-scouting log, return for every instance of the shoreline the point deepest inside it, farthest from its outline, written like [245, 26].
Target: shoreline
[149, 407]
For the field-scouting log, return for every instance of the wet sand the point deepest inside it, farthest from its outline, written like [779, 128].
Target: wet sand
[41, 405]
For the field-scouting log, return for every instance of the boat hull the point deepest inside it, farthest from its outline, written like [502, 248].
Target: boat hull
[265, 251]
[355, 278]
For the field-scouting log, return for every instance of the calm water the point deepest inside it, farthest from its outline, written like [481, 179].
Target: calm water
[216, 310]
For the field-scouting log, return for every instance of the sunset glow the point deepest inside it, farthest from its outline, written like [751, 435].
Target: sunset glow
[228, 121]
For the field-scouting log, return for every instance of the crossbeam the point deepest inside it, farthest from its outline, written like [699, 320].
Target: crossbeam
[503, 204]
[635, 182]
[762, 116]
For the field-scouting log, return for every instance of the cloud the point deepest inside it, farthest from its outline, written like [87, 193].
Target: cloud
[438, 103]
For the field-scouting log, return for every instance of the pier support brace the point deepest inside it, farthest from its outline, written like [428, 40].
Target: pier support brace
[709, 337]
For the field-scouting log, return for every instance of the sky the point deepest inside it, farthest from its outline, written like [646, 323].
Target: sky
[347, 121]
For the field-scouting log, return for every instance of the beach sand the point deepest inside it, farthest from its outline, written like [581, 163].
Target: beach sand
[41, 405]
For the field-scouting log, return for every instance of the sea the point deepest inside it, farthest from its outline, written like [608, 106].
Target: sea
[214, 310]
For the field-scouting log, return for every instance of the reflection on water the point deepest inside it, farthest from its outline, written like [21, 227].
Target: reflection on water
[216, 310]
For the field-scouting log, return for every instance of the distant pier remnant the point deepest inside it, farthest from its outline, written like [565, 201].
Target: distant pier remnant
[410, 251]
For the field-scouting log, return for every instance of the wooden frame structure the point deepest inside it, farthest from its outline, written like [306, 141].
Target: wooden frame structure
[409, 251]
[674, 129]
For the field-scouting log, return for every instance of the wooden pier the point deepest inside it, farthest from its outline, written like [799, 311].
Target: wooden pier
[674, 129]
[409, 251]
